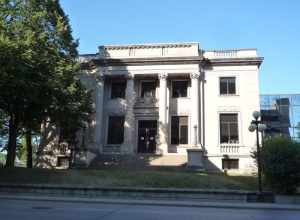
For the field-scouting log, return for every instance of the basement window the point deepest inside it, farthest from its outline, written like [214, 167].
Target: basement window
[230, 164]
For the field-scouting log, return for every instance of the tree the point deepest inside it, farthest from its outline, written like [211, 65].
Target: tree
[37, 67]
[281, 164]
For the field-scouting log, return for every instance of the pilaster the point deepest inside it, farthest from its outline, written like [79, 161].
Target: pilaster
[195, 109]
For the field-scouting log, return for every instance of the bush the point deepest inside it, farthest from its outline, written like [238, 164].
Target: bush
[280, 158]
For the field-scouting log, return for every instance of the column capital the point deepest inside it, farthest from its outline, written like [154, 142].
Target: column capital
[195, 75]
[162, 76]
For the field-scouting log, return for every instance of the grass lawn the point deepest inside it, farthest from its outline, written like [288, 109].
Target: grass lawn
[127, 178]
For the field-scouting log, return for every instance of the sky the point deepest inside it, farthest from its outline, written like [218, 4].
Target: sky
[271, 26]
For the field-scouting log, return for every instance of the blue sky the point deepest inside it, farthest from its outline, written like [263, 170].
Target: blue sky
[273, 27]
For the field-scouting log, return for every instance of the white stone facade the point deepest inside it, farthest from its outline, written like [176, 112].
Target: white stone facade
[202, 105]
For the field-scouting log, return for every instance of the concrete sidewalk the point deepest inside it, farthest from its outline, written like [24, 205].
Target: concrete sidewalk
[147, 202]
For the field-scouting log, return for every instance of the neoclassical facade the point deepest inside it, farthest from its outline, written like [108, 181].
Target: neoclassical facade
[163, 100]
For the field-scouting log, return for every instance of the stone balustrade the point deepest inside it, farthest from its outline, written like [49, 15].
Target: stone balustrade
[241, 53]
[229, 149]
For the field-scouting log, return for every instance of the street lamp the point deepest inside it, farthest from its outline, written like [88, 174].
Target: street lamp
[258, 126]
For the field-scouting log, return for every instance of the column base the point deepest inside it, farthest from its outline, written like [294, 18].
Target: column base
[127, 149]
[195, 159]
[162, 149]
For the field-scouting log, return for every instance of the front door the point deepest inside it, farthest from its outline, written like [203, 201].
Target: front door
[147, 136]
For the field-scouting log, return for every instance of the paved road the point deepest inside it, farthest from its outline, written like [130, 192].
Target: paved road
[44, 210]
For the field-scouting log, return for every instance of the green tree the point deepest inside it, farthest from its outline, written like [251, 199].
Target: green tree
[37, 68]
[281, 164]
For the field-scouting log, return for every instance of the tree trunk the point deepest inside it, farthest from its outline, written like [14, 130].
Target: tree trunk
[12, 141]
[29, 148]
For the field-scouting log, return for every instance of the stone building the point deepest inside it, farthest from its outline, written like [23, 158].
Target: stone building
[161, 101]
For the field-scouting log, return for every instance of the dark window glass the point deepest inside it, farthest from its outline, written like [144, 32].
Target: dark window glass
[227, 86]
[229, 164]
[115, 130]
[179, 89]
[229, 128]
[148, 89]
[179, 130]
[118, 90]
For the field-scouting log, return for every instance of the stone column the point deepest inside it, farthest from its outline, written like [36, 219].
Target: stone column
[162, 123]
[99, 112]
[129, 124]
[195, 109]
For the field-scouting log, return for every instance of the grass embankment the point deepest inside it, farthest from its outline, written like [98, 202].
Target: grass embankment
[127, 178]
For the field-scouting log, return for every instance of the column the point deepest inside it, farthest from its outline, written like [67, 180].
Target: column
[162, 122]
[129, 123]
[99, 92]
[195, 109]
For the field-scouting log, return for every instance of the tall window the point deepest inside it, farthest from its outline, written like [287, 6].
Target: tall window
[179, 89]
[230, 164]
[227, 86]
[118, 90]
[148, 89]
[229, 128]
[179, 130]
[115, 130]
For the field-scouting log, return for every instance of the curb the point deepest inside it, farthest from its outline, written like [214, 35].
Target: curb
[135, 202]
[140, 193]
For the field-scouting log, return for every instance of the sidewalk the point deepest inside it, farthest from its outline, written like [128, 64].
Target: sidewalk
[174, 203]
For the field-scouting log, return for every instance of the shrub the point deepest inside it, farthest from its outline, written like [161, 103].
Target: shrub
[280, 158]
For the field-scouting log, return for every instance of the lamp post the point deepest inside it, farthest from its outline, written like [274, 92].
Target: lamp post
[258, 126]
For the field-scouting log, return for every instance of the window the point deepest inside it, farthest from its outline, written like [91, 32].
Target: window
[227, 86]
[118, 90]
[179, 130]
[179, 89]
[229, 164]
[148, 89]
[229, 128]
[115, 130]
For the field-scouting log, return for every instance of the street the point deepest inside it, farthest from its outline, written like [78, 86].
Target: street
[44, 210]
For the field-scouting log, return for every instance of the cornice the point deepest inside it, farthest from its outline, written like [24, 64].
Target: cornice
[149, 61]
[146, 46]
[234, 61]
[204, 62]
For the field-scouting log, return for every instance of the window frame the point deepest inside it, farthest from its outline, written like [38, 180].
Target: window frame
[107, 130]
[227, 92]
[238, 128]
[111, 89]
[187, 88]
[188, 131]
[140, 87]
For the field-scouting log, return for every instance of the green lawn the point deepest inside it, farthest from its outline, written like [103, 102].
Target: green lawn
[127, 178]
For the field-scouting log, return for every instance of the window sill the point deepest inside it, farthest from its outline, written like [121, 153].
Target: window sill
[113, 145]
[180, 145]
[181, 97]
[229, 95]
[118, 98]
[225, 144]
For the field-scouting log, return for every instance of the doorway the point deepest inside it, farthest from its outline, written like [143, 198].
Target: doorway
[147, 130]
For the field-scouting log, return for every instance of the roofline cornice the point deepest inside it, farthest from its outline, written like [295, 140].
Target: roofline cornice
[146, 46]
[174, 60]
